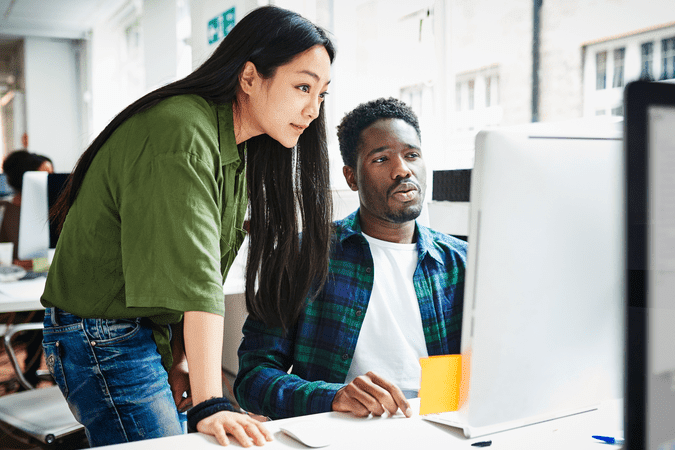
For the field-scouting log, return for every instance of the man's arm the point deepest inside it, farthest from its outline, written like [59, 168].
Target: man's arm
[263, 384]
[178, 375]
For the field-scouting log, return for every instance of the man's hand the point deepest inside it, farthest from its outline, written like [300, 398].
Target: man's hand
[179, 380]
[244, 429]
[371, 394]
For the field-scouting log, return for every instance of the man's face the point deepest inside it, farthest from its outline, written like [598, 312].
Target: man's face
[390, 175]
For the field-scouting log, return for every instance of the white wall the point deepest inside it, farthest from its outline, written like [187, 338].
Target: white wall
[117, 72]
[159, 42]
[138, 49]
[53, 99]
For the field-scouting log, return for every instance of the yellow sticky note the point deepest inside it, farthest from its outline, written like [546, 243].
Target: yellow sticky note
[440, 383]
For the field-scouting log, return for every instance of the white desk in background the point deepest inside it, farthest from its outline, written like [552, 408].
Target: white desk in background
[347, 432]
[18, 296]
[22, 295]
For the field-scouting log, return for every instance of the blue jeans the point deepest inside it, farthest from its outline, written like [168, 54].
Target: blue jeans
[110, 373]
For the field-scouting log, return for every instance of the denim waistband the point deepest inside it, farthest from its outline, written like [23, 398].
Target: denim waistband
[59, 317]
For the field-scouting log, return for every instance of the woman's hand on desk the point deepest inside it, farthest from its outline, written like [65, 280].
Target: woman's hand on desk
[371, 394]
[244, 429]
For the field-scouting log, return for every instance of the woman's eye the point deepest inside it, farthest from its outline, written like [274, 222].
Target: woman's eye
[304, 88]
[323, 95]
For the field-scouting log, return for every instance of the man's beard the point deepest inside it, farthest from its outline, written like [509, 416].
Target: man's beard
[405, 215]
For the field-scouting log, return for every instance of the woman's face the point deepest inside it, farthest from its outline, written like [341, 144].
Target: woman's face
[284, 105]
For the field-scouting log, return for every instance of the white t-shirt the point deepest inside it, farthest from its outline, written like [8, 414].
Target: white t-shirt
[391, 340]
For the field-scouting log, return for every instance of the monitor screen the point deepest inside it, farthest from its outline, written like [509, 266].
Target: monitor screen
[37, 236]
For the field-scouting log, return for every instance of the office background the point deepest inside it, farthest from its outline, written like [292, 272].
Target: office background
[68, 66]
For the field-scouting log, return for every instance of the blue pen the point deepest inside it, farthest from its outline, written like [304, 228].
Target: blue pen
[609, 440]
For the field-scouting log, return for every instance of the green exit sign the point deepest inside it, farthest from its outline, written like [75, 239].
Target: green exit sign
[219, 26]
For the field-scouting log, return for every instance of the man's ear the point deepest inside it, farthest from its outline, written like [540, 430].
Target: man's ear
[248, 77]
[350, 176]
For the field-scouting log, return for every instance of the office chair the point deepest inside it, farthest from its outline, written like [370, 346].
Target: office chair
[41, 413]
[7, 334]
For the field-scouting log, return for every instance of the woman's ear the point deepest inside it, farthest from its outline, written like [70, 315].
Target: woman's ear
[248, 77]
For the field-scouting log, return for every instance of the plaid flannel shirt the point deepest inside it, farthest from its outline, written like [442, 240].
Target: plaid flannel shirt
[319, 348]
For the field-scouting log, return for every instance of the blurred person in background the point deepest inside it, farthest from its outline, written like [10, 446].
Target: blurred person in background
[15, 165]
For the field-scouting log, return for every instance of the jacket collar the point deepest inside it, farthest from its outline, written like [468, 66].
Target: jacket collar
[229, 153]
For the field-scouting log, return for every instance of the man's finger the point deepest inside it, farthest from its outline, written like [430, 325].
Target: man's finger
[359, 409]
[344, 402]
[379, 393]
[369, 395]
[395, 394]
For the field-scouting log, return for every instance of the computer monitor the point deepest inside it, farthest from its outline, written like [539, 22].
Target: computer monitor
[37, 236]
[542, 331]
[650, 225]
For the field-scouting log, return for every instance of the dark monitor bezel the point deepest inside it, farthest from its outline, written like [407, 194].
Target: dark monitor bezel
[639, 96]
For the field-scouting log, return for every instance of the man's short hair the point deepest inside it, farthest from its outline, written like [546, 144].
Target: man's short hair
[364, 115]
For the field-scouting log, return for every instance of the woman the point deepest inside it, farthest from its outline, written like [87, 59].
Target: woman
[155, 209]
[15, 165]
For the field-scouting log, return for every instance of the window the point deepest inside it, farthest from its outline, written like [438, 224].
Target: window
[668, 55]
[420, 98]
[619, 56]
[600, 70]
[600, 112]
[491, 90]
[477, 100]
[471, 93]
[488, 94]
[458, 96]
[618, 111]
[647, 57]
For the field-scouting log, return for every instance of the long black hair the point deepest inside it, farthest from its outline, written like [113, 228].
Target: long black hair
[289, 191]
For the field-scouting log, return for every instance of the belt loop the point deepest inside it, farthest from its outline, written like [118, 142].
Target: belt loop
[55, 321]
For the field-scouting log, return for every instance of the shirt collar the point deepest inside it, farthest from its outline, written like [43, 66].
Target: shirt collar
[229, 152]
[351, 226]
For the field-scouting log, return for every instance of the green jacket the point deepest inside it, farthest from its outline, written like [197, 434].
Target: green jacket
[157, 221]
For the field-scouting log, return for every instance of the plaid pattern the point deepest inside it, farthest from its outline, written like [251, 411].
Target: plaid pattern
[321, 345]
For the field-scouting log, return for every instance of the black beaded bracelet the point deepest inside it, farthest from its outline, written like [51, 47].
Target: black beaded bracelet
[205, 409]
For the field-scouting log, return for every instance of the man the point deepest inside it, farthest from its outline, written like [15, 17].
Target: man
[393, 295]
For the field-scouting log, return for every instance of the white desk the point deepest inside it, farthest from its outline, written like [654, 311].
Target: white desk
[22, 295]
[393, 433]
